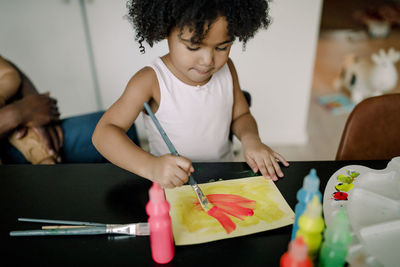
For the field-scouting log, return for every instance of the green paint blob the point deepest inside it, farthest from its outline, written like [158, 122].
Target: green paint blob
[344, 187]
[345, 179]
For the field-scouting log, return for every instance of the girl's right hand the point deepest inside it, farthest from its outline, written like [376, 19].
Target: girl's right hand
[170, 171]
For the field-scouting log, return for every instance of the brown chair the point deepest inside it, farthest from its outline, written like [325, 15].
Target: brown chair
[372, 130]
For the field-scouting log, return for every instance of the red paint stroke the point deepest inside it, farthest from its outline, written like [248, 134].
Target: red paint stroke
[233, 205]
[228, 198]
[340, 196]
[235, 210]
[223, 219]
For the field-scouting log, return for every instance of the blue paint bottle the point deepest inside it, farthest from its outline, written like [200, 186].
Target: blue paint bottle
[305, 195]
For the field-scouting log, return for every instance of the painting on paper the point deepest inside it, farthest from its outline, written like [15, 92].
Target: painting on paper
[244, 206]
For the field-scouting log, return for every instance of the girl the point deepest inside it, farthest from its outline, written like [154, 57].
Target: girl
[193, 90]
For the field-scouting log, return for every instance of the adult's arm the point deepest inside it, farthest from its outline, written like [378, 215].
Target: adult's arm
[31, 109]
[9, 81]
[26, 86]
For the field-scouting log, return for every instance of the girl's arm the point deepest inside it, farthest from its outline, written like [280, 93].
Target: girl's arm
[259, 156]
[111, 140]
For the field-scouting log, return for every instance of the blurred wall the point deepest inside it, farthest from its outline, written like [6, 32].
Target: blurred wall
[47, 39]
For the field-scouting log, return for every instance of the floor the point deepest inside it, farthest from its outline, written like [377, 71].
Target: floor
[324, 130]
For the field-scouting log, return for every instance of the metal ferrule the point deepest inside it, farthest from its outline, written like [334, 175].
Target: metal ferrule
[202, 199]
[124, 229]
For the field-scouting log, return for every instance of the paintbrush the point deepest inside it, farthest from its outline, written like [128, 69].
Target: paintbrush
[205, 204]
[83, 228]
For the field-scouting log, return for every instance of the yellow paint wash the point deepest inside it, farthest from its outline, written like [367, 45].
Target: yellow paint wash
[193, 218]
[191, 225]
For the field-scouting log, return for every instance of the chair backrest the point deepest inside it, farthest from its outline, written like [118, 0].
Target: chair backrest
[372, 130]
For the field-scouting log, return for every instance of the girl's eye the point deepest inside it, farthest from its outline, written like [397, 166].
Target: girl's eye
[221, 48]
[192, 48]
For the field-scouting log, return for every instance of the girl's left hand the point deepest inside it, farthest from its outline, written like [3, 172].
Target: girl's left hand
[262, 158]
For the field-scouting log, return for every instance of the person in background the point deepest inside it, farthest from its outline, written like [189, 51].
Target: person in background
[27, 139]
[31, 130]
[193, 90]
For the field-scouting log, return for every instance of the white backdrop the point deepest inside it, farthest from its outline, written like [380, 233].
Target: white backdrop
[276, 67]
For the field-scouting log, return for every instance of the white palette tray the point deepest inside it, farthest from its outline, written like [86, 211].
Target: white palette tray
[372, 200]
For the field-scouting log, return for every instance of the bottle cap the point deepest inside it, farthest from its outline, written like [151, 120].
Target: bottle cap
[311, 181]
[339, 229]
[340, 219]
[314, 208]
[298, 249]
[156, 193]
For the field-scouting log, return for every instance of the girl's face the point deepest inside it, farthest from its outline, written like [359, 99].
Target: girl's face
[195, 63]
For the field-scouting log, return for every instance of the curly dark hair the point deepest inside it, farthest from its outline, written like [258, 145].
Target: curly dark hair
[153, 20]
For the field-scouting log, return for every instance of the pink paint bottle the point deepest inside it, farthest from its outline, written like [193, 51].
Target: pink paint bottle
[297, 255]
[161, 239]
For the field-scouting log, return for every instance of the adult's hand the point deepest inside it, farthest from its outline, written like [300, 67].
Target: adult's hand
[52, 136]
[37, 110]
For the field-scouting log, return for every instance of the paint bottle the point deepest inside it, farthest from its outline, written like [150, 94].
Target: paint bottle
[161, 239]
[297, 255]
[304, 195]
[337, 238]
[311, 225]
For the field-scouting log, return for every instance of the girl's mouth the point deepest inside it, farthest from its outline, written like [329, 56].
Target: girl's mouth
[203, 72]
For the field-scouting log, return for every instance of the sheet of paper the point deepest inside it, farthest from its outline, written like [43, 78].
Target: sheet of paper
[192, 225]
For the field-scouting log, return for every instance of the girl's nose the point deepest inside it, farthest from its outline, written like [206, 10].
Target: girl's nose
[207, 57]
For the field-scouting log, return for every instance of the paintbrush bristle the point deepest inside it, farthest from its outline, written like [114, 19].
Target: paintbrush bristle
[142, 229]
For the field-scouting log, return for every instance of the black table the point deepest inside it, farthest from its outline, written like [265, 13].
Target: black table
[107, 194]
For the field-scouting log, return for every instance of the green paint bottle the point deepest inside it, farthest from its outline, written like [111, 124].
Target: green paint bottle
[336, 241]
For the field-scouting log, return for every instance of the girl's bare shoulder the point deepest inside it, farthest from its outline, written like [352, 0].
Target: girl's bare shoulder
[143, 86]
[145, 77]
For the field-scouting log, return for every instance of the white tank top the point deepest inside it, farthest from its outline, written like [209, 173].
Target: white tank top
[197, 119]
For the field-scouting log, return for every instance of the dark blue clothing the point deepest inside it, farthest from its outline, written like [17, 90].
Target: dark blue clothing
[78, 147]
